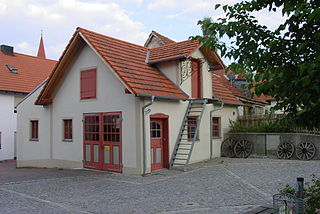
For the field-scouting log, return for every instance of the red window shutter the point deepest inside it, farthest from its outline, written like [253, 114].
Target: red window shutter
[195, 79]
[67, 129]
[34, 129]
[88, 84]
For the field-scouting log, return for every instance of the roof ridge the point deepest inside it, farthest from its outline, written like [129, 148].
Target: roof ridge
[140, 46]
[173, 44]
[165, 37]
[35, 57]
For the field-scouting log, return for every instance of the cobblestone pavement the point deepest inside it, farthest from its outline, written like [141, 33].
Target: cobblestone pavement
[219, 186]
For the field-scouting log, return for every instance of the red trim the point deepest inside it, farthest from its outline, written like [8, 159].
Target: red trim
[216, 127]
[165, 139]
[88, 84]
[196, 89]
[46, 100]
[34, 129]
[103, 131]
[159, 115]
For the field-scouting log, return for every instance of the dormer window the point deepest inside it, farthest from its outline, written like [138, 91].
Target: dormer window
[12, 69]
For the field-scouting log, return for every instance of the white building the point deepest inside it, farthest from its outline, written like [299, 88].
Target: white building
[116, 106]
[19, 74]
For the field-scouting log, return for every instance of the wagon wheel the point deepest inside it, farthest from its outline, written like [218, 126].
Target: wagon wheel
[227, 147]
[305, 151]
[285, 150]
[242, 149]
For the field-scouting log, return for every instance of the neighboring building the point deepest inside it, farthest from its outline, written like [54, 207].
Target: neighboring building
[19, 75]
[116, 106]
[236, 85]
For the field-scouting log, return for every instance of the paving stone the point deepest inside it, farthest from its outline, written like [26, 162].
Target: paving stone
[221, 186]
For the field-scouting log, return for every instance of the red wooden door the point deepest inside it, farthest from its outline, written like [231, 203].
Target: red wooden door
[103, 141]
[156, 135]
[92, 137]
[195, 79]
[111, 141]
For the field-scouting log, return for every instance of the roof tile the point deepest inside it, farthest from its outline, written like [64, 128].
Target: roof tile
[128, 61]
[31, 71]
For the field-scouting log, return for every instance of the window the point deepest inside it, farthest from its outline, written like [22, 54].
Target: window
[192, 126]
[88, 84]
[0, 140]
[216, 127]
[155, 130]
[67, 124]
[34, 130]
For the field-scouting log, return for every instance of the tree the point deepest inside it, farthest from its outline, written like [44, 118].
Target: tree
[283, 63]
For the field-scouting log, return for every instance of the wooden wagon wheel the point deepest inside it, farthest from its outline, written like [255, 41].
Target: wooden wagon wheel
[227, 147]
[285, 150]
[305, 151]
[243, 148]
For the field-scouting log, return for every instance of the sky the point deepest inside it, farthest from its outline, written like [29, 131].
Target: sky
[22, 21]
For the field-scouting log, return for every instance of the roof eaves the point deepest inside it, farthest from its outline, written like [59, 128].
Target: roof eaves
[168, 59]
[248, 100]
[162, 97]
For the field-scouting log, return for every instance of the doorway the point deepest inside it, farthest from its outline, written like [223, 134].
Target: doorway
[159, 141]
[102, 134]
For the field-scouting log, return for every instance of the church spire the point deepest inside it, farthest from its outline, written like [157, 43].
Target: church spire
[41, 51]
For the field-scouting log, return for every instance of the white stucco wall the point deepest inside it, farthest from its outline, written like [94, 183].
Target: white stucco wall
[176, 110]
[7, 126]
[206, 78]
[229, 112]
[110, 98]
[28, 150]
[171, 70]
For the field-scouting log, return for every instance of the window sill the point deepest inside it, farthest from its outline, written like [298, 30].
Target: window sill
[34, 140]
[67, 140]
[216, 137]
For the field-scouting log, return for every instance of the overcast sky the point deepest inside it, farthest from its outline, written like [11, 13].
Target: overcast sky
[21, 21]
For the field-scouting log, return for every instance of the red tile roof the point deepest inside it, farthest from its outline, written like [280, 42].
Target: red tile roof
[164, 39]
[172, 51]
[222, 90]
[31, 71]
[128, 61]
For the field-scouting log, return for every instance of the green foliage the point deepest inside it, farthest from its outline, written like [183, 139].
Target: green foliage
[311, 195]
[284, 63]
[263, 127]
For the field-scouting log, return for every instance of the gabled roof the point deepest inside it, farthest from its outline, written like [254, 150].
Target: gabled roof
[162, 39]
[126, 60]
[172, 51]
[31, 71]
[222, 90]
[220, 78]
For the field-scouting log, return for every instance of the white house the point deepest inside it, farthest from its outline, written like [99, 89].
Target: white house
[116, 106]
[19, 74]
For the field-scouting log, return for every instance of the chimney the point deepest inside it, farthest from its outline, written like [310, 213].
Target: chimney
[7, 50]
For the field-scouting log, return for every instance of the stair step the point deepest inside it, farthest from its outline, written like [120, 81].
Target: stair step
[194, 111]
[181, 154]
[180, 159]
[180, 164]
[183, 149]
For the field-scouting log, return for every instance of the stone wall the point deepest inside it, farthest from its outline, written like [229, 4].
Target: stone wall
[265, 144]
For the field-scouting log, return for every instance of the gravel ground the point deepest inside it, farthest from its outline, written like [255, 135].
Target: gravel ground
[219, 186]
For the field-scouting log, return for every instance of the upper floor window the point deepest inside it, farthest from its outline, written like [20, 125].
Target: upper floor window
[88, 81]
[216, 127]
[0, 140]
[34, 129]
[67, 123]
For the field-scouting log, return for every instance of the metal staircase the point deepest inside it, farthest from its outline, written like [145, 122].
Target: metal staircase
[186, 138]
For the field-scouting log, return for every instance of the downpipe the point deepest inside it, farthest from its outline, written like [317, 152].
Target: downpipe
[211, 112]
[144, 143]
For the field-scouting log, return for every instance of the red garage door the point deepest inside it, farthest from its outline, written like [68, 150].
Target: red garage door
[103, 141]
